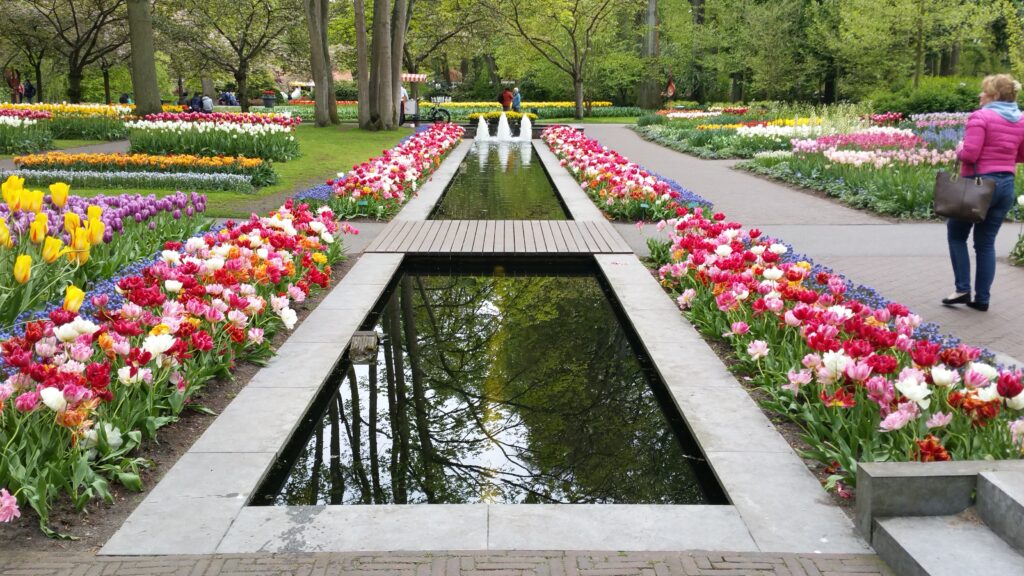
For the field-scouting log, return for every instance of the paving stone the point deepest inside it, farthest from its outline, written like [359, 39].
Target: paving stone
[257, 420]
[312, 528]
[615, 527]
[727, 420]
[298, 366]
[324, 326]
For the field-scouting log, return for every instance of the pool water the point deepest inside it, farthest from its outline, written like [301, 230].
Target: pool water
[495, 385]
[500, 182]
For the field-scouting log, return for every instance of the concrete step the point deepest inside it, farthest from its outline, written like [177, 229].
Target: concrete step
[958, 545]
[1000, 503]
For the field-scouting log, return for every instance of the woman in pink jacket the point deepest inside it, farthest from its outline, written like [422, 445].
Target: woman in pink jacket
[993, 145]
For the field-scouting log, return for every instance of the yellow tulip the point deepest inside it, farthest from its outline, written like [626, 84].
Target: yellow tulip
[96, 228]
[94, 212]
[73, 298]
[11, 189]
[38, 229]
[23, 268]
[59, 193]
[5, 235]
[71, 222]
[51, 249]
[31, 200]
[79, 246]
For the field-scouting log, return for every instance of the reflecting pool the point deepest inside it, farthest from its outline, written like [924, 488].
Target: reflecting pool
[502, 385]
[500, 181]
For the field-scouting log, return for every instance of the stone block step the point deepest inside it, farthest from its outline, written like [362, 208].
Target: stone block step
[958, 545]
[1000, 503]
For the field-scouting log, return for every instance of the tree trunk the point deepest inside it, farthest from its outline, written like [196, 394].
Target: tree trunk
[430, 482]
[317, 66]
[75, 85]
[242, 81]
[332, 101]
[144, 82]
[828, 95]
[919, 45]
[38, 68]
[357, 437]
[398, 28]
[577, 86]
[378, 495]
[106, 85]
[362, 66]
[337, 490]
[400, 443]
[649, 96]
[389, 374]
[381, 100]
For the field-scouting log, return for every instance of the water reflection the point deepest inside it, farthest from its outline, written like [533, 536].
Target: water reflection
[507, 185]
[495, 389]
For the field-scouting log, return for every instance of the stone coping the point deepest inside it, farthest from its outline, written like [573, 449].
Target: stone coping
[886, 489]
[200, 507]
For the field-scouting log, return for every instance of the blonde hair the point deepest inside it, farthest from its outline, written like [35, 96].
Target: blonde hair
[1001, 87]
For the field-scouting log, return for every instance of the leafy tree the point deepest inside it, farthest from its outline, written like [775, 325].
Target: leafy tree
[83, 32]
[562, 32]
[233, 36]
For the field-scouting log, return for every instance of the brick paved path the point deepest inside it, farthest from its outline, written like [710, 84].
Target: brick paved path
[515, 563]
[907, 262]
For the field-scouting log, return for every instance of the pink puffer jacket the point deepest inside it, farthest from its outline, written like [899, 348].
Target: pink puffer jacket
[991, 144]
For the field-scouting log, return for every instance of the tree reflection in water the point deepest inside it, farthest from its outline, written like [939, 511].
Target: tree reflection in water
[495, 389]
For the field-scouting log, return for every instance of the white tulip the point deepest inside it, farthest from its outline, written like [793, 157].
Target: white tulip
[53, 398]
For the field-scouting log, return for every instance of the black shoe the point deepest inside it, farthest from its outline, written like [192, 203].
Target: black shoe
[961, 299]
[979, 306]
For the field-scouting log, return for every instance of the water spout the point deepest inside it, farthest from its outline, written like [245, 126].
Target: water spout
[504, 131]
[504, 148]
[483, 131]
[525, 128]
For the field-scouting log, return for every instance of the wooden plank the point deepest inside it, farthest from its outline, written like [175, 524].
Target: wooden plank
[452, 235]
[510, 240]
[549, 237]
[396, 240]
[529, 246]
[539, 244]
[518, 240]
[414, 239]
[470, 240]
[581, 242]
[500, 236]
[441, 233]
[615, 243]
[478, 240]
[385, 236]
[489, 237]
[465, 231]
[588, 239]
[602, 230]
[597, 243]
[564, 227]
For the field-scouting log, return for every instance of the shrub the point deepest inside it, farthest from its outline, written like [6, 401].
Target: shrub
[649, 119]
[952, 94]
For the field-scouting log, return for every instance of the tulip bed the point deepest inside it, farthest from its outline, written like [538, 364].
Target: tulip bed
[19, 134]
[270, 137]
[84, 121]
[85, 385]
[258, 171]
[887, 170]
[136, 180]
[624, 190]
[380, 186]
[863, 378]
[50, 241]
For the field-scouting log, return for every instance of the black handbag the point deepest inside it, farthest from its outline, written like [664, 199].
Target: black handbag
[962, 198]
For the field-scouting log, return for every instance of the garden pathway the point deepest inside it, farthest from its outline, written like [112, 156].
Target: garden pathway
[906, 262]
[113, 147]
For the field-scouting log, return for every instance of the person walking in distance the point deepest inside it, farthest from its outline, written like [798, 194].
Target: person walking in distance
[517, 100]
[505, 99]
[993, 145]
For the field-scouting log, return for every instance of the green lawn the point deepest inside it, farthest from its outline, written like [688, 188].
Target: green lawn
[324, 153]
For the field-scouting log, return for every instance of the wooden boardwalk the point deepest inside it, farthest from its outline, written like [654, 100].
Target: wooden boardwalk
[500, 237]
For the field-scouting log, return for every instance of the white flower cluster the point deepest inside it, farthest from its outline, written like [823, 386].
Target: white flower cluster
[227, 128]
[16, 122]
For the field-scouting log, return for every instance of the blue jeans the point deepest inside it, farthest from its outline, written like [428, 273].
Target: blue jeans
[985, 232]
